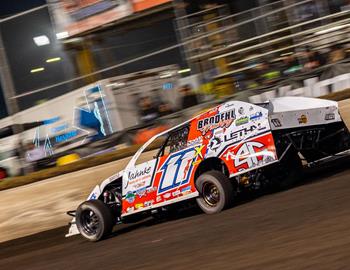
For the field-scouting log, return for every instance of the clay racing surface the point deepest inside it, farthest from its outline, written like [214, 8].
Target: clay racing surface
[307, 227]
[43, 205]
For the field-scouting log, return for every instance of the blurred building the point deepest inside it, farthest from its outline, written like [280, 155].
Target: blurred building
[72, 39]
[9, 8]
[69, 39]
[263, 44]
[41, 55]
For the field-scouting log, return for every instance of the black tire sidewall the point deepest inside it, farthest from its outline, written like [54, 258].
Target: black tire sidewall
[104, 215]
[224, 186]
[292, 167]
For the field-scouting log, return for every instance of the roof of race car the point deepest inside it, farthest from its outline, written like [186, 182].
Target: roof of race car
[285, 104]
[276, 105]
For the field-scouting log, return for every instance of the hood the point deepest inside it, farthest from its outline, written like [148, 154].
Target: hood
[96, 192]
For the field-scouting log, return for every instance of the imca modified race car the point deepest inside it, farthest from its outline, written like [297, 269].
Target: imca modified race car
[234, 147]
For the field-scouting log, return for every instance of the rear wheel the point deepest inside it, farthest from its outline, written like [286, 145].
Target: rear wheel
[288, 172]
[215, 192]
[94, 220]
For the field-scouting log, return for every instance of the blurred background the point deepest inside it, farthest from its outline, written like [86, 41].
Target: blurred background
[82, 78]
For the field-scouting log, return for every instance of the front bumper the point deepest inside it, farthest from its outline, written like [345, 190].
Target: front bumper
[73, 229]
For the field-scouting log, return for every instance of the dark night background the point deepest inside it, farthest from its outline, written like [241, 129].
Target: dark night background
[10, 7]
[114, 46]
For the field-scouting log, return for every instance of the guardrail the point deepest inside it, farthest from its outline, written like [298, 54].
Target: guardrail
[330, 81]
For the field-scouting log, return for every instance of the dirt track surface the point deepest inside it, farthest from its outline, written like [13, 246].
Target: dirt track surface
[307, 227]
[43, 205]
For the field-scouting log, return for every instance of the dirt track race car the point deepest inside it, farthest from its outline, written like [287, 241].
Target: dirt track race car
[229, 149]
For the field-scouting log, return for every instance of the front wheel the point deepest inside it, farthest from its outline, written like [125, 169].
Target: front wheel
[215, 192]
[94, 220]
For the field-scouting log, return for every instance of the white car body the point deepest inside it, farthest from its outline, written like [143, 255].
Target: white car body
[254, 124]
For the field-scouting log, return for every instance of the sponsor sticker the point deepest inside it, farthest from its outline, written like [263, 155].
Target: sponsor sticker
[242, 121]
[228, 105]
[194, 142]
[141, 184]
[223, 120]
[302, 119]
[141, 192]
[166, 195]
[139, 173]
[256, 116]
[93, 197]
[199, 151]
[151, 189]
[245, 154]
[329, 117]
[186, 190]
[139, 205]
[130, 197]
[250, 154]
[239, 135]
[113, 177]
[215, 143]
[276, 122]
[176, 193]
[149, 203]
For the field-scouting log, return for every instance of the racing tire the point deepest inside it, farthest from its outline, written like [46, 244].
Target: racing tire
[94, 220]
[289, 172]
[215, 192]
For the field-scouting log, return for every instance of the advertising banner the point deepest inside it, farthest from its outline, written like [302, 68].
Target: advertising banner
[76, 16]
[140, 5]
